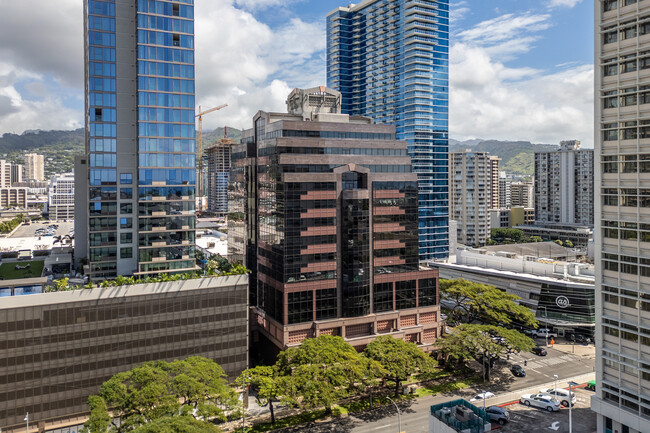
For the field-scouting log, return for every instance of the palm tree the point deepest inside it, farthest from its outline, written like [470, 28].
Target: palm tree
[57, 240]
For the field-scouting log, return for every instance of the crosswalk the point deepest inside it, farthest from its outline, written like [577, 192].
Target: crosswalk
[548, 362]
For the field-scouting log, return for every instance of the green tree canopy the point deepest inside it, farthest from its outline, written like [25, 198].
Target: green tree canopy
[264, 382]
[475, 302]
[559, 242]
[484, 342]
[503, 235]
[194, 387]
[322, 371]
[398, 358]
[535, 239]
[568, 244]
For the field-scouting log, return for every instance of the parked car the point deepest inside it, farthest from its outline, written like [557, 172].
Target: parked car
[498, 414]
[591, 385]
[541, 401]
[561, 394]
[540, 351]
[518, 370]
[582, 339]
[543, 333]
[482, 396]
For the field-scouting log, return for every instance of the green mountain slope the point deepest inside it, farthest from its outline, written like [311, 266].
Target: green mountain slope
[60, 147]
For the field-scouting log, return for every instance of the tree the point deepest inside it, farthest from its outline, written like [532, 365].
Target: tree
[503, 235]
[322, 371]
[535, 239]
[559, 242]
[152, 391]
[264, 384]
[398, 358]
[99, 419]
[484, 304]
[568, 244]
[483, 342]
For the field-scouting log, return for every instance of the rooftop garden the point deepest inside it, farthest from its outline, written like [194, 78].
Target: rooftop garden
[215, 267]
[21, 269]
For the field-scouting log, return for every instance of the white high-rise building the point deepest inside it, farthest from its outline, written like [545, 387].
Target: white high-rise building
[622, 216]
[564, 185]
[504, 189]
[60, 202]
[34, 167]
[470, 192]
[5, 173]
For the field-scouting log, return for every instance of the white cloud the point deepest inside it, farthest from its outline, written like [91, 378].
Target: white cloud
[492, 100]
[240, 61]
[563, 3]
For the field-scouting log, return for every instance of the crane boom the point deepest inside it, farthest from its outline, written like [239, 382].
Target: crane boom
[200, 151]
[210, 110]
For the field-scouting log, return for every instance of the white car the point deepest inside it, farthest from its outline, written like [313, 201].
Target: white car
[541, 401]
[482, 396]
[561, 394]
[543, 333]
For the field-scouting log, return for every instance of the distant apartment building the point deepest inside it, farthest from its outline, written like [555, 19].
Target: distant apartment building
[34, 167]
[494, 182]
[622, 226]
[58, 348]
[564, 185]
[324, 211]
[218, 173]
[390, 61]
[512, 216]
[470, 176]
[522, 194]
[504, 190]
[5, 173]
[13, 197]
[60, 203]
[16, 174]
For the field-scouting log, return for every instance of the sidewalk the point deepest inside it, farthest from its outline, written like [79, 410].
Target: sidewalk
[577, 349]
[511, 396]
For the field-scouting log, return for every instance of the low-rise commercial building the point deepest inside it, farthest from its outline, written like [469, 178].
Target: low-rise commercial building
[579, 235]
[56, 349]
[562, 294]
[13, 198]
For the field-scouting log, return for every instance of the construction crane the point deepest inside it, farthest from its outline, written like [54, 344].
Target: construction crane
[200, 151]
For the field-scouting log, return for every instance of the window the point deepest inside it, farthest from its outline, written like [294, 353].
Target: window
[126, 178]
[126, 238]
[126, 253]
[126, 223]
[126, 193]
[176, 10]
[610, 5]
[176, 40]
[126, 208]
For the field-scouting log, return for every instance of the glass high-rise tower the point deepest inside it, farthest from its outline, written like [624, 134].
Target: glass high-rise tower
[390, 60]
[136, 182]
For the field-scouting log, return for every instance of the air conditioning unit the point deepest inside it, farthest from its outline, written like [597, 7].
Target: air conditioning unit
[463, 413]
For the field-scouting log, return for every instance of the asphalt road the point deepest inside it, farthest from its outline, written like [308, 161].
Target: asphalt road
[415, 413]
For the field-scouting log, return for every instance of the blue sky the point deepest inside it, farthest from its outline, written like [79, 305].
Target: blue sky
[520, 69]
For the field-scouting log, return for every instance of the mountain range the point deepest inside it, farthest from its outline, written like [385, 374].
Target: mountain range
[59, 148]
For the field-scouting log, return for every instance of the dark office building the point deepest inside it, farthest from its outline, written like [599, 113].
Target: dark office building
[218, 157]
[324, 210]
[56, 349]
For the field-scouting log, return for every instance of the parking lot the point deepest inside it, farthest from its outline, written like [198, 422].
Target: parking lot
[29, 231]
[533, 420]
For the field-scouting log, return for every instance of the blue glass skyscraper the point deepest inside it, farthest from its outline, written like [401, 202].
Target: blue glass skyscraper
[136, 182]
[390, 60]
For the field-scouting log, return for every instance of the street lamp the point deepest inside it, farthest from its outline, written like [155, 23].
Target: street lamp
[571, 384]
[484, 395]
[27, 419]
[243, 400]
[399, 415]
[555, 376]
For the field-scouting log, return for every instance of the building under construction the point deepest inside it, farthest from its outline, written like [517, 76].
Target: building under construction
[218, 157]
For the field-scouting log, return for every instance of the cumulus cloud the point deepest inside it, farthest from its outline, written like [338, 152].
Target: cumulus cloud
[492, 100]
[240, 61]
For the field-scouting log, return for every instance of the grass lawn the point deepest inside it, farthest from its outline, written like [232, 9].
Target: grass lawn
[8, 271]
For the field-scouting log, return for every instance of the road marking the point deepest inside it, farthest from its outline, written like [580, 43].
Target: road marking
[555, 426]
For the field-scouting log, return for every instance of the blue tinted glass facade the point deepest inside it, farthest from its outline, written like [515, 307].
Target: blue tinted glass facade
[149, 62]
[390, 60]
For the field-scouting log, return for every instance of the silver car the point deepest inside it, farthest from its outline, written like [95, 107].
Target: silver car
[541, 401]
